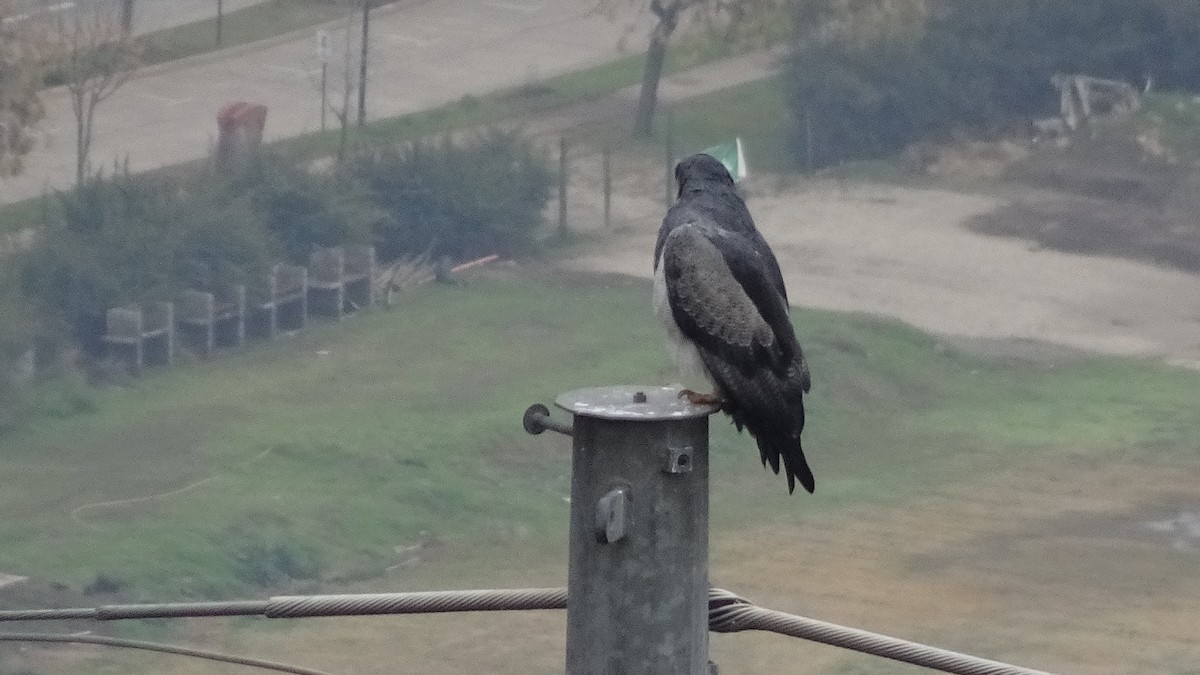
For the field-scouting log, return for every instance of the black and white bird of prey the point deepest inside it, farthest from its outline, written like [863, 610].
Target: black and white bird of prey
[718, 289]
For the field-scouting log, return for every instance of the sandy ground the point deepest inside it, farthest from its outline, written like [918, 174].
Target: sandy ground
[906, 253]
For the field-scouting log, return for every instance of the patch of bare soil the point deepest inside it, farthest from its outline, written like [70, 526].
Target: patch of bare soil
[919, 255]
[1052, 567]
[1159, 235]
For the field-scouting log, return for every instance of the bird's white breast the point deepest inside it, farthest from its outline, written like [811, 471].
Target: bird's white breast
[683, 351]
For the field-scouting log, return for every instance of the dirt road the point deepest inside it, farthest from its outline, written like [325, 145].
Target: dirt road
[905, 253]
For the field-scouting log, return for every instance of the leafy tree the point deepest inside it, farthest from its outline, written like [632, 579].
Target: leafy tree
[16, 338]
[726, 15]
[986, 63]
[132, 239]
[20, 50]
[862, 87]
[483, 195]
[846, 74]
[303, 209]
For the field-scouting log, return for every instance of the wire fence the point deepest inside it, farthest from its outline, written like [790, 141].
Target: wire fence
[727, 613]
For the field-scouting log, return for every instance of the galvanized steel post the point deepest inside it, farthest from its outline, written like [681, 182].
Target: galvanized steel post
[638, 575]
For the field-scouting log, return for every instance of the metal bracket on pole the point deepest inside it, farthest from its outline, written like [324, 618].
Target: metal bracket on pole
[679, 459]
[610, 516]
[637, 583]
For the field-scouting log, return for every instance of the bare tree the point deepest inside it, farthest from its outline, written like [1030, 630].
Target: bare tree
[96, 56]
[21, 49]
[724, 15]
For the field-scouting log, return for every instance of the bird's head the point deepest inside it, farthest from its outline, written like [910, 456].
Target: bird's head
[699, 169]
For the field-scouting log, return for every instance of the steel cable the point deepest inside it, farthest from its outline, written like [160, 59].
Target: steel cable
[290, 607]
[158, 647]
[727, 613]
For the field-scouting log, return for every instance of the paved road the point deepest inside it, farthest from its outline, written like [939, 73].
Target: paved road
[152, 15]
[148, 15]
[425, 53]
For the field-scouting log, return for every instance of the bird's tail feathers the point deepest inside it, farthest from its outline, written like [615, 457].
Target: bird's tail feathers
[795, 466]
[797, 469]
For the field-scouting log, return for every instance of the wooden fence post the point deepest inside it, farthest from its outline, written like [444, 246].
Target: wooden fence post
[563, 177]
[669, 157]
[606, 157]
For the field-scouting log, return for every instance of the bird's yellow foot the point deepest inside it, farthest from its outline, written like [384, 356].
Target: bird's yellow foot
[696, 398]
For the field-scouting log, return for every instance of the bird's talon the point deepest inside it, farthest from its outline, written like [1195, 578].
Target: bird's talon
[696, 398]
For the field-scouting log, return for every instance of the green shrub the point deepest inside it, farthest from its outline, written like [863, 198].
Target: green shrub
[16, 338]
[267, 561]
[125, 239]
[302, 209]
[974, 65]
[480, 196]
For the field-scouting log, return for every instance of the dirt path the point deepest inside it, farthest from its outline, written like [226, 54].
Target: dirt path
[905, 253]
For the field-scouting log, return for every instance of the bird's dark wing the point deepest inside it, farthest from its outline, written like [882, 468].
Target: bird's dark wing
[718, 295]
[726, 294]
[723, 298]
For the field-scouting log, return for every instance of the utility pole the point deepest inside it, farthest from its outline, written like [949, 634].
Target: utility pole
[638, 575]
[220, 16]
[362, 64]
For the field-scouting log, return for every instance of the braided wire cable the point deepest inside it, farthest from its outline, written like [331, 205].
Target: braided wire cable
[48, 614]
[290, 607]
[158, 647]
[728, 613]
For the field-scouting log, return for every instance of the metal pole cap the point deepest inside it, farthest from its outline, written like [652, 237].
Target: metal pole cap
[632, 403]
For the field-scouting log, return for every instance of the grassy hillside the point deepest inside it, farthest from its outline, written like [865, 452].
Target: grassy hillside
[987, 504]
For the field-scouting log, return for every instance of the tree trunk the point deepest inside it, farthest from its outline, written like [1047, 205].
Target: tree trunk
[362, 64]
[127, 16]
[80, 154]
[656, 55]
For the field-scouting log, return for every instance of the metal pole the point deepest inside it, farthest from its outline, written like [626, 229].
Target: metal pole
[638, 574]
[607, 159]
[324, 80]
[362, 65]
[808, 138]
[562, 185]
[669, 156]
[220, 16]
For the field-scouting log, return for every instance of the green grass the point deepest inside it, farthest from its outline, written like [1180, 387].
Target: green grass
[26, 213]
[323, 453]
[755, 111]
[522, 102]
[240, 27]
[1177, 117]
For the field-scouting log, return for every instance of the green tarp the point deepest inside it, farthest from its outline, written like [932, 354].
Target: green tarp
[730, 154]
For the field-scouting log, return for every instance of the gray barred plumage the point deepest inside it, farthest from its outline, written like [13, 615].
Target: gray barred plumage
[720, 294]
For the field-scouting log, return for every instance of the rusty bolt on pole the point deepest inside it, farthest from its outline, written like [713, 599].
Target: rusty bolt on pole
[637, 583]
